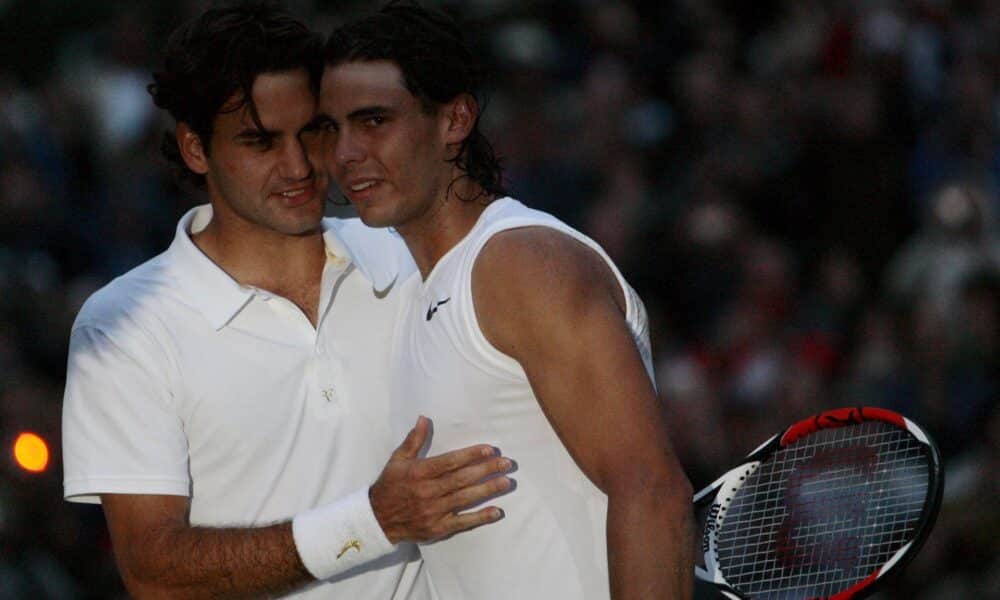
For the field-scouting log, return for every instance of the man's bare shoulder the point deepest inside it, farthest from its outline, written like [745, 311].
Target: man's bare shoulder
[527, 260]
[531, 280]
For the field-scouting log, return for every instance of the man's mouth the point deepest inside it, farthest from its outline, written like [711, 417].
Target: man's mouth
[364, 185]
[297, 196]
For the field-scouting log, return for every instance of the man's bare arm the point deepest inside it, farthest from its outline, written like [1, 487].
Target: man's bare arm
[554, 305]
[160, 554]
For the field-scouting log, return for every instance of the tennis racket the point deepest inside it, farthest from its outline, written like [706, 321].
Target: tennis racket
[824, 510]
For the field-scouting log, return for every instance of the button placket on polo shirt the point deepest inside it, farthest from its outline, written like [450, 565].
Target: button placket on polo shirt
[321, 394]
[324, 375]
[327, 371]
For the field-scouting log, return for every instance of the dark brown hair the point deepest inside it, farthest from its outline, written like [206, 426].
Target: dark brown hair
[219, 54]
[437, 65]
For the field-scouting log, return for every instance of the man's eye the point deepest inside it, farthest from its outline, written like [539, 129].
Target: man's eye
[374, 121]
[261, 143]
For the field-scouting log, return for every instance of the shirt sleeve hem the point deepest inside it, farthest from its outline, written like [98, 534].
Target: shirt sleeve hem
[88, 490]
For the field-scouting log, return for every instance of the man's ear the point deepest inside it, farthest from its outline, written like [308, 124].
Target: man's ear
[192, 150]
[460, 117]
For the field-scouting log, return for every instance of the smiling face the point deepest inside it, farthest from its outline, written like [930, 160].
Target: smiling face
[267, 178]
[386, 153]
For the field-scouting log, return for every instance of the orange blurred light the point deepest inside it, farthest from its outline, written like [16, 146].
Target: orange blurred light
[31, 452]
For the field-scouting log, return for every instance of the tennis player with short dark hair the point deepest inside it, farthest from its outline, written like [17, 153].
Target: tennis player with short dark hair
[517, 330]
[227, 401]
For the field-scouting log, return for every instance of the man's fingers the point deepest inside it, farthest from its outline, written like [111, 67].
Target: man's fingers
[433, 467]
[414, 440]
[471, 520]
[474, 473]
[419, 499]
[476, 494]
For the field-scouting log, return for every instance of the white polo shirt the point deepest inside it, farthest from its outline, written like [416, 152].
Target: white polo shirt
[183, 382]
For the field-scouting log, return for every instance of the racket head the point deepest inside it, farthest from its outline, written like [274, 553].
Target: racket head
[828, 508]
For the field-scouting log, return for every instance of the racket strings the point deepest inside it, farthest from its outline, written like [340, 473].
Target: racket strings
[824, 513]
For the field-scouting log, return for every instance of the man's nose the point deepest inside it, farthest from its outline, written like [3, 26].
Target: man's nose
[295, 161]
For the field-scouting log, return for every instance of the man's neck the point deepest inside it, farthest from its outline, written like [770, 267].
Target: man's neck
[431, 237]
[265, 259]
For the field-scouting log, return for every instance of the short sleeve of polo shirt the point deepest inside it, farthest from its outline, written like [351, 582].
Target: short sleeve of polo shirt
[120, 433]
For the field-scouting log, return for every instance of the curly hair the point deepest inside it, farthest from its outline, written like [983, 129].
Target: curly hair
[211, 63]
[437, 65]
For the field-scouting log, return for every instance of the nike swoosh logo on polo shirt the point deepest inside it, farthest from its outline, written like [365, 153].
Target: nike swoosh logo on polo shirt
[380, 294]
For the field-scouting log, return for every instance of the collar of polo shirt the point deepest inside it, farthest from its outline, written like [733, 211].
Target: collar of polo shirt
[220, 297]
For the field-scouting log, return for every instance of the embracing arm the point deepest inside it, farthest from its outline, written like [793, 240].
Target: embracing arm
[160, 554]
[118, 419]
[552, 303]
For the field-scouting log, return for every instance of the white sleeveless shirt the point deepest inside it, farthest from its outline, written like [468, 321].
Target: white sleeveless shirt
[552, 542]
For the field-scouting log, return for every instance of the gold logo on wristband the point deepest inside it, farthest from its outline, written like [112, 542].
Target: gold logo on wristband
[350, 544]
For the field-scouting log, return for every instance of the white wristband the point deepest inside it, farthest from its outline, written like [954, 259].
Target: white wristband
[338, 536]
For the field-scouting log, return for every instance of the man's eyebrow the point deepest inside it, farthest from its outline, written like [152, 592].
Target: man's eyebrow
[369, 111]
[255, 134]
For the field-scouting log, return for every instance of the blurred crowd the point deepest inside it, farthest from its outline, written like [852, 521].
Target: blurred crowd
[804, 192]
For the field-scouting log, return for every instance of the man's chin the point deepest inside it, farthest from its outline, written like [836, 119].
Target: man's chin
[301, 221]
[373, 218]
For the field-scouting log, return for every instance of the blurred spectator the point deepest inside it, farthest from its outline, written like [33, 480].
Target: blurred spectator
[959, 238]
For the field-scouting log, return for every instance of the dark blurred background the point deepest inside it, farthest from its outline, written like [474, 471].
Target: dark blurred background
[805, 193]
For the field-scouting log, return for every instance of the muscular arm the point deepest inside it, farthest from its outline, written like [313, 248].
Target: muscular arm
[554, 305]
[160, 554]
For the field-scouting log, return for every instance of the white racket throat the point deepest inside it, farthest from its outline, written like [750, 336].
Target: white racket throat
[725, 489]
